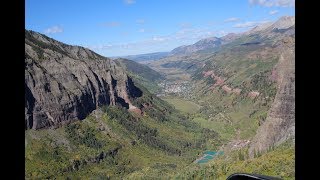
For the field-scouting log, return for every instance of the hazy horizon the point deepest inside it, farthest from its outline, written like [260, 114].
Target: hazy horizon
[130, 27]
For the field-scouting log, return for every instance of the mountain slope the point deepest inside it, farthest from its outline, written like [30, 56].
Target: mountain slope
[244, 87]
[125, 131]
[142, 74]
[278, 162]
[65, 83]
[140, 69]
[195, 54]
[198, 46]
[279, 125]
[253, 77]
[204, 45]
[246, 90]
[236, 84]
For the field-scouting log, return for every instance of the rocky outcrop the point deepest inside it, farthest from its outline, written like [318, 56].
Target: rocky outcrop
[237, 91]
[219, 80]
[65, 83]
[253, 94]
[227, 89]
[279, 125]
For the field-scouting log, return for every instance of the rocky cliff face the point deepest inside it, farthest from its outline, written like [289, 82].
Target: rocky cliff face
[65, 83]
[279, 125]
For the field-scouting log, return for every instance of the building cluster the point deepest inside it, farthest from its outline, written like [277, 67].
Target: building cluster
[176, 88]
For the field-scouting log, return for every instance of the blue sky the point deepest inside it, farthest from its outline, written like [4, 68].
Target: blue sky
[126, 27]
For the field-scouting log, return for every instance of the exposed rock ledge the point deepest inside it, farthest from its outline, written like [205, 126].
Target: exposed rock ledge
[66, 83]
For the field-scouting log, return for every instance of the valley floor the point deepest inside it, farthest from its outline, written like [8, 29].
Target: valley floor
[183, 105]
[278, 162]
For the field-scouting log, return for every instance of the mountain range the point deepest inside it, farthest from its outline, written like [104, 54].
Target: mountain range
[210, 44]
[87, 115]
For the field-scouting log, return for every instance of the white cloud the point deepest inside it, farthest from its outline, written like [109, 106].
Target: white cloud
[233, 19]
[108, 46]
[155, 40]
[222, 33]
[125, 46]
[160, 38]
[249, 24]
[194, 34]
[202, 35]
[129, 1]
[142, 30]
[111, 24]
[140, 21]
[245, 25]
[183, 36]
[271, 3]
[100, 47]
[273, 12]
[185, 25]
[53, 30]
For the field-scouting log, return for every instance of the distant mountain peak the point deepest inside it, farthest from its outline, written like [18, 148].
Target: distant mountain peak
[229, 37]
[209, 39]
[202, 44]
[261, 27]
[284, 22]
